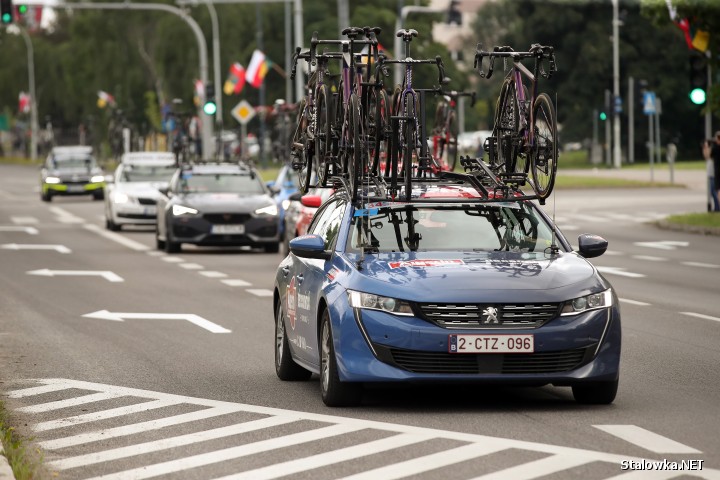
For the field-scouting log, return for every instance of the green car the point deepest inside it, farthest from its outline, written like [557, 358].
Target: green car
[71, 171]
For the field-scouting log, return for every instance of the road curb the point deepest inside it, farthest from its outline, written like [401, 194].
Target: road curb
[665, 225]
[5, 470]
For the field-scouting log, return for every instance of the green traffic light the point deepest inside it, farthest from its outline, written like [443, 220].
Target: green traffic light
[6, 18]
[698, 96]
[22, 9]
[210, 108]
[603, 116]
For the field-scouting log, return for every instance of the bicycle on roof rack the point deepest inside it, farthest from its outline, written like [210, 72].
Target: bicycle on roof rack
[445, 131]
[525, 126]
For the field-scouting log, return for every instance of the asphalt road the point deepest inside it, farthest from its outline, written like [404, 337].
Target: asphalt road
[148, 397]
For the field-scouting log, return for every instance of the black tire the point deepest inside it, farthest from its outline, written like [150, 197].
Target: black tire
[46, 197]
[323, 135]
[99, 196]
[379, 111]
[596, 393]
[334, 392]
[112, 226]
[170, 245]
[285, 367]
[357, 159]
[272, 247]
[507, 119]
[159, 244]
[299, 149]
[544, 154]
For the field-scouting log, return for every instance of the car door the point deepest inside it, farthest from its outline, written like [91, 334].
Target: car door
[305, 287]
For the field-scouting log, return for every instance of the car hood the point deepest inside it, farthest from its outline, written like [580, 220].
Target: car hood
[475, 277]
[224, 202]
[78, 171]
[140, 189]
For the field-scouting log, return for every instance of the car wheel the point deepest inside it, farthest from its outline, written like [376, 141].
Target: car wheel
[112, 226]
[285, 367]
[159, 244]
[334, 392]
[272, 247]
[46, 197]
[596, 393]
[170, 246]
[98, 196]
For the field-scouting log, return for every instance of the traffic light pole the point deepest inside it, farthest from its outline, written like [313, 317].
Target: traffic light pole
[33, 100]
[207, 127]
[708, 114]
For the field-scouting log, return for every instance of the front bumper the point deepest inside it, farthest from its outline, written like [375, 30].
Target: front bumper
[134, 214]
[205, 229]
[373, 346]
[75, 188]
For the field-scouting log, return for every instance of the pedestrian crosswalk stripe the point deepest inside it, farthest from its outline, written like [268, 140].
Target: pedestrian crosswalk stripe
[538, 468]
[646, 439]
[71, 402]
[29, 392]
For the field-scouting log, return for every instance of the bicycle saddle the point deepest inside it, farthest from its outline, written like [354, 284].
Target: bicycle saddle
[406, 34]
[375, 30]
[353, 32]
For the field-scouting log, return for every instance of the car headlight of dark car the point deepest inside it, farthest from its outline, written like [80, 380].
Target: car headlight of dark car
[179, 210]
[269, 210]
[371, 301]
[593, 301]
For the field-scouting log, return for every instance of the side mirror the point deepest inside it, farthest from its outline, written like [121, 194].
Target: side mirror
[591, 246]
[312, 201]
[309, 246]
[164, 191]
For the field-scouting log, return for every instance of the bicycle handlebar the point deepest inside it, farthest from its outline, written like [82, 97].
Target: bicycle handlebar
[537, 51]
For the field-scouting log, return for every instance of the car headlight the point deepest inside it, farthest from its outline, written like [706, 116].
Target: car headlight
[97, 179]
[377, 302]
[52, 180]
[182, 210]
[269, 210]
[120, 198]
[589, 302]
[286, 204]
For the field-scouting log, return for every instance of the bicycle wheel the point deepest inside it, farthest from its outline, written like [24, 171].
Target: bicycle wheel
[301, 161]
[544, 153]
[378, 118]
[357, 163]
[322, 133]
[507, 119]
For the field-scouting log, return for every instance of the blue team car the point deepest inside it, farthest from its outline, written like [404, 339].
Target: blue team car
[449, 285]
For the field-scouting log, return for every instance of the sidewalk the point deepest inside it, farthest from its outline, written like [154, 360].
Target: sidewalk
[692, 179]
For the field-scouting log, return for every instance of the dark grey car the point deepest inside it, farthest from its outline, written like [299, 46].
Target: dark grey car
[217, 205]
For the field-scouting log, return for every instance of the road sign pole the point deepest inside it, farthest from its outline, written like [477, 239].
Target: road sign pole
[631, 120]
[651, 146]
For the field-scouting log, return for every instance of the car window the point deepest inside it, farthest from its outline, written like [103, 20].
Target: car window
[146, 173]
[327, 223]
[506, 227]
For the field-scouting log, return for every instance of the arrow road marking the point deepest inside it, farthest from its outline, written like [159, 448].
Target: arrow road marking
[107, 275]
[190, 317]
[619, 271]
[57, 248]
[663, 244]
[28, 230]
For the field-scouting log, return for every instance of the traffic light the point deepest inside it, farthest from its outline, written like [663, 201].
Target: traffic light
[6, 13]
[21, 9]
[210, 107]
[453, 14]
[698, 79]
[603, 116]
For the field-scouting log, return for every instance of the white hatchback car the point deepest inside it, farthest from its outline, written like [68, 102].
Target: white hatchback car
[131, 198]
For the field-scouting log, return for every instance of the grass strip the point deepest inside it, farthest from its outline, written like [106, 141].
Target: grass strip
[25, 463]
[706, 219]
[563, 181]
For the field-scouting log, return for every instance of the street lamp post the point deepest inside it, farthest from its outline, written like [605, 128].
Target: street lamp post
[400, 23]
[616, 85]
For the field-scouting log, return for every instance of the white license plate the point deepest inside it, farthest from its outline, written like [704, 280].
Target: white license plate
[491, 344]
[228, 229]
[75, 188]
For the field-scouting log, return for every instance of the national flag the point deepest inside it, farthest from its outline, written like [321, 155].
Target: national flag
[198, 93]
[235, 80]
[24, 102]
[257, 69]
[105, 99]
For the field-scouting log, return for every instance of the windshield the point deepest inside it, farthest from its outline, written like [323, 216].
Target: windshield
[79, 161]
[513, 227]
[146, 173]
[220, 183]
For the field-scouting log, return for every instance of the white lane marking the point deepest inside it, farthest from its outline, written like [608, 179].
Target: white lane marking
[646, 439]
[102, 415]
[191, 266]
[173, 259]
[538, 468]
[619, 271]
[589, 218]
[26, 246]
[663, 244]
[622, 216]
[700, 315]
[700, 264]
[70, 402]
[234, 282]
[155, 253]
[428, 462]
[42, 389]
[213, 274]
[190, 317]
[634, 302]
[24, 220]
[329, 458]
[649, 258]
[117, 238]
[63, 216]
[109, 276]
[15, 228]
[569, 227]
[231, 453]
[167, 443]
[260, 292]
[613, 253]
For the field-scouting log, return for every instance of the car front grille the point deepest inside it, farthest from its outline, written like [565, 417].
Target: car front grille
[471, 315]
[488, 363]
[147, 201]
[226, 218]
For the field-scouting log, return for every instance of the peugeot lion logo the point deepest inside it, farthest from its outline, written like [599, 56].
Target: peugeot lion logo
[491, 315]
